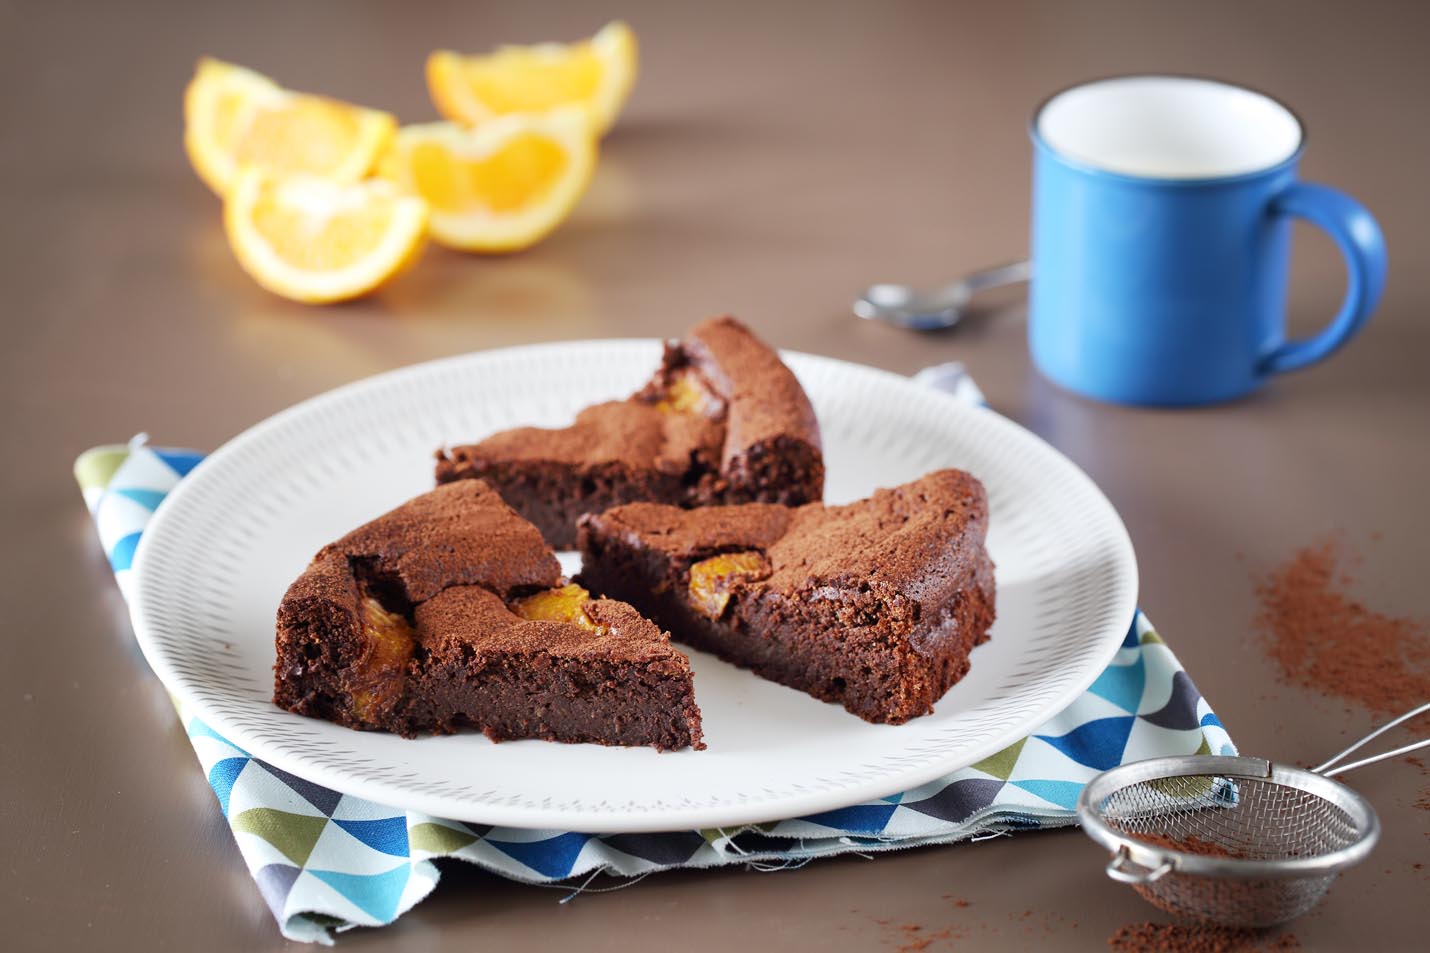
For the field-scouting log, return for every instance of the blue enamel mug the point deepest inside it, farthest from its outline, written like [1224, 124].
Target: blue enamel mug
[1161, 238]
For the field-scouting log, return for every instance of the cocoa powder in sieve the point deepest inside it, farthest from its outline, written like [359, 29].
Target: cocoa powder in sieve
[1324, 639]
[1191, 844]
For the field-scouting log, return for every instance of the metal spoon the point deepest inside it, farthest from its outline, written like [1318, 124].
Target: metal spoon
[906, 307]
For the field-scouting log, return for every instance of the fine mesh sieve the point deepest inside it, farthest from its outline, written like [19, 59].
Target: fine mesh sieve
[1232, 840]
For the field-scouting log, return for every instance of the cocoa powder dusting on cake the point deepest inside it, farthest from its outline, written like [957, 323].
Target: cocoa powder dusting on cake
[1324, 639]
[1196, 938]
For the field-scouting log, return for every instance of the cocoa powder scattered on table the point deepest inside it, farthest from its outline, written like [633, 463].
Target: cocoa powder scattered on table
[917, 940]
[1196, 938]
[1325, 640]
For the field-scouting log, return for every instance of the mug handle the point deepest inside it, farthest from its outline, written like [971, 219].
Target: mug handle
[1358, 235]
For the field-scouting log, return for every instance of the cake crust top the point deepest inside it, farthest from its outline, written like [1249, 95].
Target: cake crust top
[764, 401]
[453, 559]
[459, 534]
[909, 539]
[473, 621]
[634, 432]
[753, 401]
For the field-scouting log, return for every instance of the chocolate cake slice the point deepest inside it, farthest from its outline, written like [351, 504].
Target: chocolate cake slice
[874, 605]
[722, 421]
[450, 612]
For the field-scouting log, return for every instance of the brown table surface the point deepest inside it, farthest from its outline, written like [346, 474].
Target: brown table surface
[773, 160]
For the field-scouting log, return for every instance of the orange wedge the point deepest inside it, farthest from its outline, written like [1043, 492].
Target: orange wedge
[312, 239]
[234, 117]
[501, 186]
[596, 74]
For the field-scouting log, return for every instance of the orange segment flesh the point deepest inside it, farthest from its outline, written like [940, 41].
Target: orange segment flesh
[378, 673]
[235, 118]
[711, 579]
[564, 604]
[687, 394]
[511, 83]
[309, 134]
[500, 187]
[322, 242]
[595, 75]
[311, 239]
[521, 174]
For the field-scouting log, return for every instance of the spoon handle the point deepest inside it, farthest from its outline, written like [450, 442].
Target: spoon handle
[1009, 274]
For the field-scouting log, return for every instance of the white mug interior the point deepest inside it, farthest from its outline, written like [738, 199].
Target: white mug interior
[1169, 127]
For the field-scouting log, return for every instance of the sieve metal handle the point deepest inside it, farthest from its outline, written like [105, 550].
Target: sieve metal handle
[1327, 770]
[1124, 869]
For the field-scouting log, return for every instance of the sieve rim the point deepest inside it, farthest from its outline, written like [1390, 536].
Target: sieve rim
[1153, 857]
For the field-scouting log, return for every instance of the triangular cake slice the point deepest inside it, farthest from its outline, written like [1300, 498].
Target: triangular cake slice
[874, 605]
[450, 612]
[722, 421]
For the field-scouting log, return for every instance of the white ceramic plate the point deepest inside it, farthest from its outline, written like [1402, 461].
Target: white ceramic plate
[224, 546]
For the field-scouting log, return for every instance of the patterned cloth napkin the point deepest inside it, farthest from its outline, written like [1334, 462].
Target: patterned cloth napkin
[326, 862]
